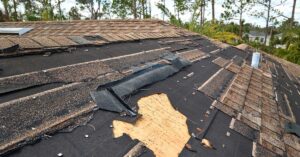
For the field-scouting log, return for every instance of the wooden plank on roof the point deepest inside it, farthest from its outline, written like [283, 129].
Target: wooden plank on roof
[80, 40]
[25, 43]
[46, 42]
[108, 38]
[63, 41]
[5, 43]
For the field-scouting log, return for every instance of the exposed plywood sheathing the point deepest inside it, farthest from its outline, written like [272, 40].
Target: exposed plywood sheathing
[222, 62]
[161, 127]
[193, 55]
[233, 68]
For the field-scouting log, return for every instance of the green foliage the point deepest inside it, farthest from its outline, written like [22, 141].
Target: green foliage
[173, 19]
[74, 13]
[122, 8]
[47, 13]
[106, 9]
[181, 6]
[292, 55]
[31, 10]
[236, 9]
[164, 10]
[218, 31]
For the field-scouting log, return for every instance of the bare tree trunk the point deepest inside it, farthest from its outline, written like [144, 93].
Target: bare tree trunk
[134, 9]
[271, 33]
[293, 13]
[6, 5]
[203, 18]
[213, 10]
[98, 10]
[59, 9]
[241, 24]
[163, 13]
[267, 22]
[92, 10]
[150, 11]
[202, 11]
[15, 13]
[143, 8]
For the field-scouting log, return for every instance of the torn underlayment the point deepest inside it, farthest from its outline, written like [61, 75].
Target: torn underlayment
[110, 96]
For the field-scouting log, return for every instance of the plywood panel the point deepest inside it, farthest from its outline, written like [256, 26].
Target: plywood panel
[161, 127]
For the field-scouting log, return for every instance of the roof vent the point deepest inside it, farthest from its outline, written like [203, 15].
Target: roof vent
[14, 31]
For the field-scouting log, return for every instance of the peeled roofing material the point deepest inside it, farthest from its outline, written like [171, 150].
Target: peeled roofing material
[56, 35]
[111, 98]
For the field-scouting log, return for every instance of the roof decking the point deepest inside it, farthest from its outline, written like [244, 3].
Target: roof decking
[242, 111]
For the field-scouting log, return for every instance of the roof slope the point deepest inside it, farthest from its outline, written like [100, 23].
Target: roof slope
[84, 99]
[54, 35]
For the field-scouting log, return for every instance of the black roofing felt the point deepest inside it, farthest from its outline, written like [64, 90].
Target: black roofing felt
[30, 63]
[180, 89]
[231, 52]
[184, 97]
[284, 86]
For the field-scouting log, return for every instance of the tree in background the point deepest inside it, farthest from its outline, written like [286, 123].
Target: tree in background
[146, 8]
[122, 8]
[180, 7]
[60, 15]
[168, 14]
[202, 12]
[149, 9]
[293, 12]
[213, 11]
[106, 9]
[93, 6]
[31, 10]
[237, 8]
[15, 12]
[269, 13]
[6, 6]
[46, 10]
[134, 8]
[1, 16]
[143, 8]
[74, 13]
[290, 35]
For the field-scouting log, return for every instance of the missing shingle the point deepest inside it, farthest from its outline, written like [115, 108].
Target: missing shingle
[224, 108]
[215, 85]
[94, 37]
[160, 123]
[260, 151]
[243, 129]
[221, 61]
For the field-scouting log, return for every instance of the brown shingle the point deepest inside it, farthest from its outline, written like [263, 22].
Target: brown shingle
[25, 43]
[5, 43]
[46, 42]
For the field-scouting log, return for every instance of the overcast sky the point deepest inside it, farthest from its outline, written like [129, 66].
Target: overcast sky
[286, 8]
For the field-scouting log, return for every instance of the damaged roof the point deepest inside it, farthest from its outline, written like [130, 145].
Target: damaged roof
[141, 88]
